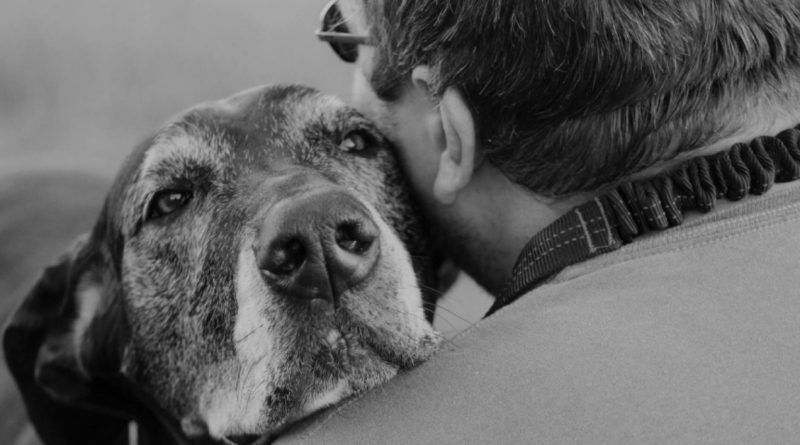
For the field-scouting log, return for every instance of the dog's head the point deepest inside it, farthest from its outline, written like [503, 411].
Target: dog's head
[256, 260]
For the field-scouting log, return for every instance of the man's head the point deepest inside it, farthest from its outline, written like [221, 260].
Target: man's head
[571, 95]
[564, 98]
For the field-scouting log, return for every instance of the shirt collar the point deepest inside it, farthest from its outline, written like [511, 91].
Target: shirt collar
[634, 208]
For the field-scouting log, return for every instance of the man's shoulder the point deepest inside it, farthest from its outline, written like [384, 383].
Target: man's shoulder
[653, 346]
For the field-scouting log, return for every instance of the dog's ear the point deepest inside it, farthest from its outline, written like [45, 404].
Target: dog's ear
[53, 353]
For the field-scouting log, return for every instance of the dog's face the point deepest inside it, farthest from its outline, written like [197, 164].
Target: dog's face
[253, 263]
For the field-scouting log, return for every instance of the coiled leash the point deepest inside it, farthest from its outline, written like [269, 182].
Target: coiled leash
[635, 208]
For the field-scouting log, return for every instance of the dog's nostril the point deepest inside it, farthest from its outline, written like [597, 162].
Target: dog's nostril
[354, 238]
[284, 257]
[317, 245]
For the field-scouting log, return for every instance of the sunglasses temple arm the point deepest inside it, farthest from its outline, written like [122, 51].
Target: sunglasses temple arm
[340, 37]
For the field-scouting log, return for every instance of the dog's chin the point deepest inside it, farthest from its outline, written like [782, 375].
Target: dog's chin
[295, 357]
[344, 359]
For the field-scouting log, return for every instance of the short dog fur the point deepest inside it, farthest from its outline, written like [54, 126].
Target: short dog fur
[177, 310]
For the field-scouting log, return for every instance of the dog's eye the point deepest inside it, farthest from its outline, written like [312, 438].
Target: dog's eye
[166, 202]
[354, 141]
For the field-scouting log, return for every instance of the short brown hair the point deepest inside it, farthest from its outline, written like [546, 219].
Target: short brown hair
[573, 95]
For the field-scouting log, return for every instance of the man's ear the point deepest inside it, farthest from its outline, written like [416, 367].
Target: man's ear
[457, 139]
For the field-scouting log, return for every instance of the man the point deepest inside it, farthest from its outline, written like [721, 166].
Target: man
[593, 165]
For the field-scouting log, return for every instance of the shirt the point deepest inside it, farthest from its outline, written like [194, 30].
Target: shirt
[686, 335]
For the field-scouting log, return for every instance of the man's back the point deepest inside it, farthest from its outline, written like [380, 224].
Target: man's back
[691, 335]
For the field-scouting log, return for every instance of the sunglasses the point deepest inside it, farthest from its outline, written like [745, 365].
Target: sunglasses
[333, 29]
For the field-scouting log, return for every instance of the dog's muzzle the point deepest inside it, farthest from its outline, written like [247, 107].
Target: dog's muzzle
[317, 245]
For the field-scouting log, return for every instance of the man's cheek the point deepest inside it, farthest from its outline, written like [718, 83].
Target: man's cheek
[364, 97]
[362, 93]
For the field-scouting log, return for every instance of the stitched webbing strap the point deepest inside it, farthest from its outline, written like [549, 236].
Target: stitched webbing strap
[634, 208]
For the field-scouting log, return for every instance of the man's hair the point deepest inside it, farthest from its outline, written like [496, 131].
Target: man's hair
[573, 95]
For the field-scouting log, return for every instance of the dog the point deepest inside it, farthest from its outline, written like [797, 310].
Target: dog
[256, 260]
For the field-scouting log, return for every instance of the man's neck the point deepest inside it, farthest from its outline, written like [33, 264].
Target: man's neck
[507, 215]
[521, 214]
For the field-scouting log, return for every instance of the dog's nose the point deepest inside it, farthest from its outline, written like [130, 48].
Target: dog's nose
[317, 245]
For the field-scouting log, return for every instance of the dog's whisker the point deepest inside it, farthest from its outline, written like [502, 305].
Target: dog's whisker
[442, 313]
[422, 318]
[450, 311]
[436, 291]
[455, 314]
[251, 332]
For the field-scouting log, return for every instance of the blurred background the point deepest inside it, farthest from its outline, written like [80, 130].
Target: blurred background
[82, 81]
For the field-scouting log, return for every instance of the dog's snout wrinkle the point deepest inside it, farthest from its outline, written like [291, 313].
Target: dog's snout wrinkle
[317, 245]
[246, 439]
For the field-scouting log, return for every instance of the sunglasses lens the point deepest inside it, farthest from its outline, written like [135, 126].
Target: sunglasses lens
[334, 22]
[346, 51]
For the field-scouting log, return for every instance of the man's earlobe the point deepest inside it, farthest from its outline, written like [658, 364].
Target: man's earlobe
[457, 160]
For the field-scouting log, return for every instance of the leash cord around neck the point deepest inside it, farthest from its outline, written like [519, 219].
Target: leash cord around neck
[634, 208]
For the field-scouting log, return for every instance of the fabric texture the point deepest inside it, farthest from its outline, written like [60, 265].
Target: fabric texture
[636, 208]
[688, 335]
